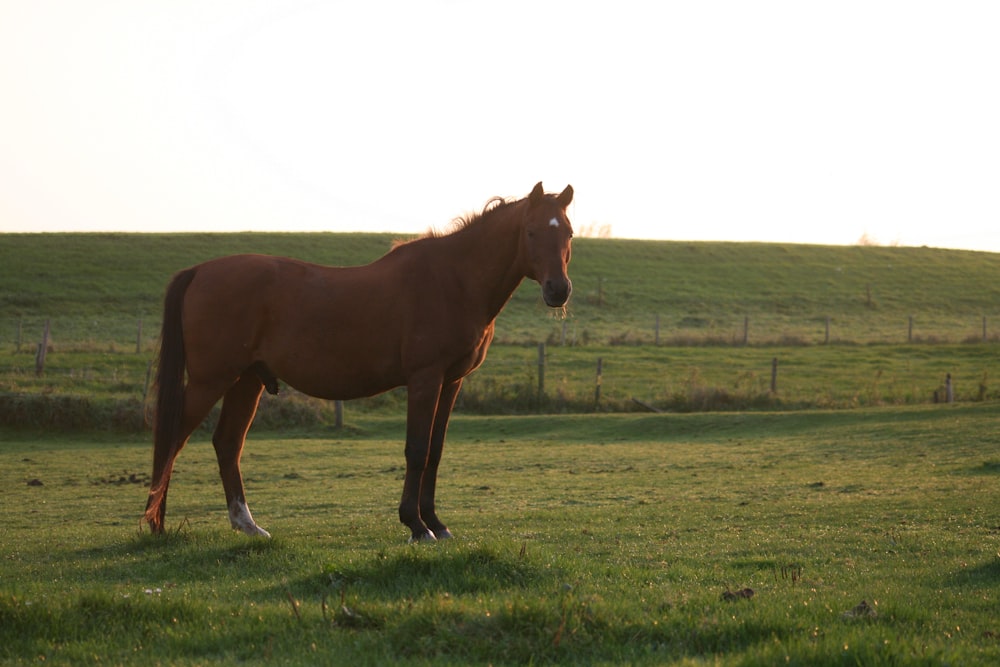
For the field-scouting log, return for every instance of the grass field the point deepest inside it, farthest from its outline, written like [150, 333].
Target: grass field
[601, 539]
[587, 533]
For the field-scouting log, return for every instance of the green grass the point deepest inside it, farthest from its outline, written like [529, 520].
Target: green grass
[594, 539]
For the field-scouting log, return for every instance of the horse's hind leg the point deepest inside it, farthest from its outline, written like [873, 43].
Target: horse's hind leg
[198, 401]
[238, 409]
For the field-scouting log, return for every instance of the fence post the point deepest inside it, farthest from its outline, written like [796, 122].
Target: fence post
[541, 372]
[338, 414]
[597, 386]
[42, 349]
[774, 375]
[949, 391]
[746, 329]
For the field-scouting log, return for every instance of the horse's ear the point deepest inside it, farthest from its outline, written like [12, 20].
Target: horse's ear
[565, 197]
[537, 194]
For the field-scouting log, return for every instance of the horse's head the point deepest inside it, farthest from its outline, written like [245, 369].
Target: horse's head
[546, 236]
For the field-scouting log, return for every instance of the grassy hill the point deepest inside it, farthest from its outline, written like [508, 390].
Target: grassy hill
[94, 286]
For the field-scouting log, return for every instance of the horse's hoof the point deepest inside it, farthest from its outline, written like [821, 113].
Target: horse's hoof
[423, 537]
[443, 534]
[256, 531]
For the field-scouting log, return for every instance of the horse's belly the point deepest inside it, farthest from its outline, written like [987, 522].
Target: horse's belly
[340, 391]
[340, 381]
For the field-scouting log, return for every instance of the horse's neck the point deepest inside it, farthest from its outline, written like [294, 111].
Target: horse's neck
[487, 255]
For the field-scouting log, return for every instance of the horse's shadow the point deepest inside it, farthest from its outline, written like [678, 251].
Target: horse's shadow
[406, 572]
[155, 558]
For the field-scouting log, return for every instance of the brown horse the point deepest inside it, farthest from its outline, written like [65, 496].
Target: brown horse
[421, 316]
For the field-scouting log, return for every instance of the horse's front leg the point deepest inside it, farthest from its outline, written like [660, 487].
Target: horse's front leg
[427, 489]
[423, 393]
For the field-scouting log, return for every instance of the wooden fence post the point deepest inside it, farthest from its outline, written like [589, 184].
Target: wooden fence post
[42, 349]
[949, 391]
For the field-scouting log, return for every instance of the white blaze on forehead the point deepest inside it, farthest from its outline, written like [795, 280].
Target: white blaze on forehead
[553, 222]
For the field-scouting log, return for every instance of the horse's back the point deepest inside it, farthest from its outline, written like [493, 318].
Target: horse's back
[246, 283]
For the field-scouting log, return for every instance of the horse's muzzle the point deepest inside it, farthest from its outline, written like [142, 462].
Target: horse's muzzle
[556, 292]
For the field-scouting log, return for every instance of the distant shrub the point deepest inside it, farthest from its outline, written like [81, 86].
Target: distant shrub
[70, 413]
[291, 409]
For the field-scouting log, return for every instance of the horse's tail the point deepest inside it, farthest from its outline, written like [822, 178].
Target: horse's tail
[169, 388]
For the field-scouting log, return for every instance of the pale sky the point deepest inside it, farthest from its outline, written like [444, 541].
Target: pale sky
[796, 121]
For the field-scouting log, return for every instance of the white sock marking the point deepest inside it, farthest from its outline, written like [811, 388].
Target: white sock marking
[240, 519]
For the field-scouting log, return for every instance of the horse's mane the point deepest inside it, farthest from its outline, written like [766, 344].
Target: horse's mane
[491, 208]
